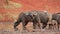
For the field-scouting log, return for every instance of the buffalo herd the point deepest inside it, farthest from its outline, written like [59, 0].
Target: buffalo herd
[38, 18]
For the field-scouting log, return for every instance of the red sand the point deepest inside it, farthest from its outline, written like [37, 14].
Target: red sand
[52, 6]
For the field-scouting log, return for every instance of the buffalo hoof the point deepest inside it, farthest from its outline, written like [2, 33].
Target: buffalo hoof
[24, 31]
[34, 30]
[15, 29]
[42, 29]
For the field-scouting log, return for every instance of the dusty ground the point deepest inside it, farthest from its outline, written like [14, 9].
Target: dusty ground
[7, 28]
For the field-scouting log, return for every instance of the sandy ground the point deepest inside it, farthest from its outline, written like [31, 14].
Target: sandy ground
[7, 28]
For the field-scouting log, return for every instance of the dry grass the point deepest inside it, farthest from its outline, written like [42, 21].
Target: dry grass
[7, 28]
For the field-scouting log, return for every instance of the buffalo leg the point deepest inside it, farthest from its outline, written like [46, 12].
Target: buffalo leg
[39, 25]
[58, 27]
[24, 25]
[50, 26]
[15, 25]
[44, 25]
[34, 26]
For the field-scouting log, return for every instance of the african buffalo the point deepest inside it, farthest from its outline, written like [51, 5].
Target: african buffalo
[44, 18]
[56, 17]
[55, 20]
[25, 18]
